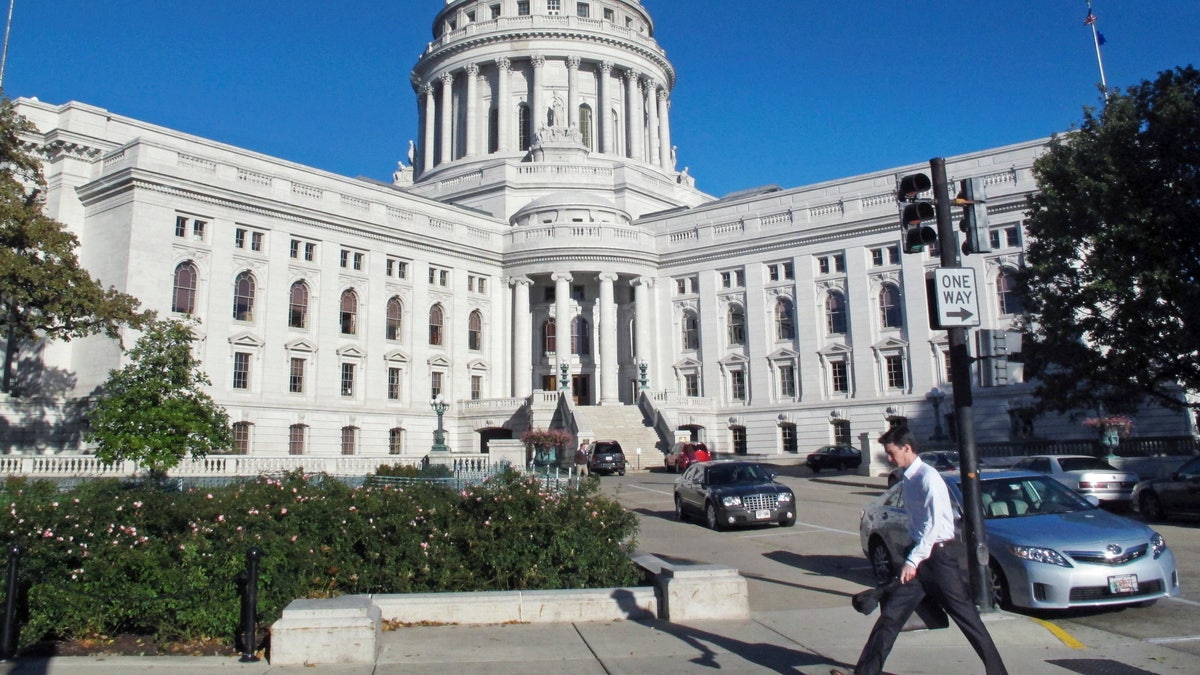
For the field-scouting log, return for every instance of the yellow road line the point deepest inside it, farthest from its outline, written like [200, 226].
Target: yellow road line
[1061, 634]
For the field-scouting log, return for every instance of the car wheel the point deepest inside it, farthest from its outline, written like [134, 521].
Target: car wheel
[1151, 507]
[679, 514]
[621, 472]
[815, 468]
[841, 466]
[881, 561]
[1000, 596]
[710, 517]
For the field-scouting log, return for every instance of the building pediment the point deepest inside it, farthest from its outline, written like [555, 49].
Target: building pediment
[889, 344]
[350, 352]
[246, 339]
[734, 359]
[301, 345]
[396, 356]
[835, 350]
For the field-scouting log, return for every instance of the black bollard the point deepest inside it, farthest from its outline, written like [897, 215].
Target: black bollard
[250, 604]
[9, 647]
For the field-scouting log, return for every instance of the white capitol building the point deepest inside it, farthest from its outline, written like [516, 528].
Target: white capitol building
[539, 238]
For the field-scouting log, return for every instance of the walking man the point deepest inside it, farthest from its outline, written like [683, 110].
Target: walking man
[931, 567]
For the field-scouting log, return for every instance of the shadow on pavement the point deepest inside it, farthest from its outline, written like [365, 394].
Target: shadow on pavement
[850, 568]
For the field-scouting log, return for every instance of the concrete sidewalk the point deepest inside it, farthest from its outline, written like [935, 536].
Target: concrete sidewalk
[796, 641]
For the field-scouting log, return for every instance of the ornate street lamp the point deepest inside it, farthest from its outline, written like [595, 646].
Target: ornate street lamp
[936, 396]
[564, 376]
[439, 406]
[643, 380]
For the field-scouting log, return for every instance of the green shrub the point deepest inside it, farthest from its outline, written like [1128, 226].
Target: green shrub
[109, 558]
[410, 471]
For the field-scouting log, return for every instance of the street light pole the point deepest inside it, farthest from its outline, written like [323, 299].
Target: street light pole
[439, 405]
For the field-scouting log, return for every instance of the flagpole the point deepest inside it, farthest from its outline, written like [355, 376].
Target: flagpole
[4, 54]
[1091, 21]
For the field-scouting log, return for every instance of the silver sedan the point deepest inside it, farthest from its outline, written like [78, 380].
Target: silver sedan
[1087, 475]
[1050, 548]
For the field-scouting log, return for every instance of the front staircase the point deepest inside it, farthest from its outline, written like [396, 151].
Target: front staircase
[625, 425]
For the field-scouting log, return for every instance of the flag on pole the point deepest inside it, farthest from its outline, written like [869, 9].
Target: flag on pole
[1100, 38]
[1091, 18]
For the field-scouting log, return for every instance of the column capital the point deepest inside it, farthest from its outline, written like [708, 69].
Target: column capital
[648, 282]
[538, 60]
[631, 75]
[662, 95]
[521, 280]
[504, 63]
[427, 89]
[447, 78]
[562, 276]
[608, 276]
[573, 62]
[606, 67]
[472, 69]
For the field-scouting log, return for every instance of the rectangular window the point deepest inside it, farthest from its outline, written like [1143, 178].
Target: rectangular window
[198, 230]
[349, 440]
[787, 433]
[946, 363]
[893, 255]
[347, 379]
[737, 385]
[726, 279]
[609, 14]
[895, 371]
[553, 6]
[522, 7]
[241, 370]
[823, 265]
[256, 241]
[296, 439]
[241, 438]
[358, 261]
[839, 263]
[310, 251]
[773, 272]
[435, 384]
[876, 257]
[397, 268]
[681, 287]
[294, 249]
[789, 271]
[495, 11]
[577, 294]
[393, 387]
[344, 259]
[691, 384]
[841, 432]
[239, 238]
[395, 441]
[787, 381]
[476, 387]
[839, 378]
[583, 10]
[296, 377]
[180, 226]
[739, 440]
[444, 278]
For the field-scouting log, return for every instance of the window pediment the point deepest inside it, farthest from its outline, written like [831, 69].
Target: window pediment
[396, 356]
[889, 344]
[734, 360]
[686, 364]
[835, 350]
[246, 340]
[350, 352]
[439, 361]
[783, 355]
[300, 345]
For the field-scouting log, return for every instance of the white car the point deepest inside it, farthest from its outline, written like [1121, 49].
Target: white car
[1087, 475]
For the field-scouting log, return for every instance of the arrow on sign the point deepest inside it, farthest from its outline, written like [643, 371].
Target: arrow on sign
[962, 314]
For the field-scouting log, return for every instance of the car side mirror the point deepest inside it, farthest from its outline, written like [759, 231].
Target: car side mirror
[1091, 499]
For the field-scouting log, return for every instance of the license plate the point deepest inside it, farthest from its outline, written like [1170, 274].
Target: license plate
[1123, 583]
[762, 514]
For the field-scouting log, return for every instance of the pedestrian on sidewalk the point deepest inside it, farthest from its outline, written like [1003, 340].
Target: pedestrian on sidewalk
[581, 460]
[931, 567]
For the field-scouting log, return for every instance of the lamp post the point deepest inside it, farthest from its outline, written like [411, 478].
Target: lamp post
[439, 406]
[643, 380]
[936, 396]
[564, 376]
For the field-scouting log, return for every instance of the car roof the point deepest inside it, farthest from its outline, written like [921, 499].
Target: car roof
[999, 474]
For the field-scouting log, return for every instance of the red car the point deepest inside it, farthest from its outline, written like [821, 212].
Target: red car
[686, 454]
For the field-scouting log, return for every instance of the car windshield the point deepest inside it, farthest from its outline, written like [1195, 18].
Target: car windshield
[1084, 464]
[736, 473]
[1028, 496]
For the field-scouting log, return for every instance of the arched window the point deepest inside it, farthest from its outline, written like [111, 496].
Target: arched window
[581, 337]
[349, 313]
[524, 126]
[183, 300]
[585, 125]
[395, 317]
[243, 297]
[475, 331]
[436, 317]
[298, 305]
[785, 321]
[691, 331]
[889, 306]
[737, 325]
[549, 336]
[1007, 294]
[835, 313]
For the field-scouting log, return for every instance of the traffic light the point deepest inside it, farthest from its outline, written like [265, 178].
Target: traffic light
[914, 234]
[975, 216]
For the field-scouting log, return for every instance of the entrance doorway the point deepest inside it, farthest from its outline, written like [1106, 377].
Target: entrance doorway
[581, 388]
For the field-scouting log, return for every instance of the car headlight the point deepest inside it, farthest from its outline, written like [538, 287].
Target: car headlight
[785, 497]
[1039, 554]
[1157, 544]
[731, 501]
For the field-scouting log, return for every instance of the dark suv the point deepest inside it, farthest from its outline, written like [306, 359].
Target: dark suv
[606, 457]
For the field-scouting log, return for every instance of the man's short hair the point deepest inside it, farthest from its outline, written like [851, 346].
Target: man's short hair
[899, 436]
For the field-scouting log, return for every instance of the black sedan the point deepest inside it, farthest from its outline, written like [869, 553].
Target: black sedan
[834, 457]
[1179, 494]
[732, 493]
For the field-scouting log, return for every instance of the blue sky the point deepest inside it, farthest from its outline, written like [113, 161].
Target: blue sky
[789, 92]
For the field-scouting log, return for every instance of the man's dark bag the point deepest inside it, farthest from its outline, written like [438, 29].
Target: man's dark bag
[929, 613]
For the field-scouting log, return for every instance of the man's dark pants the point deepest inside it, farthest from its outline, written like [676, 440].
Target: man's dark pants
[940, 578]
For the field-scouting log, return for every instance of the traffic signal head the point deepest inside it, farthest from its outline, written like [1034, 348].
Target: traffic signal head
[911, 186]
[975, 216]
[915, 233]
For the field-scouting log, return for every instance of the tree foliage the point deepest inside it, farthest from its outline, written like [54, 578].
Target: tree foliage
[1113, 262]
[154, 410]
[44, 292]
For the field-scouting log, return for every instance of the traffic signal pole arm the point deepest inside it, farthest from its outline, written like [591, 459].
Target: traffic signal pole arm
[960, 372]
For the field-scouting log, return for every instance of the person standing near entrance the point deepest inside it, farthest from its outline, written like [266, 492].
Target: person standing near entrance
[931, 567]
[581, 460]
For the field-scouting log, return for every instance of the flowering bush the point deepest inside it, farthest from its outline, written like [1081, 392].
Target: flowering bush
[1121, 423]
[547, 438]
[107, 558]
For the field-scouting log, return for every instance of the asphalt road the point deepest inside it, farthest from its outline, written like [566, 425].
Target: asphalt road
[819, 563]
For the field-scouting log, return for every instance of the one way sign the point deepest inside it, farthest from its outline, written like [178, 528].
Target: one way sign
[953, 296]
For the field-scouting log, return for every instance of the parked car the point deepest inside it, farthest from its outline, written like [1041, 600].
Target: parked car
[729, 493]
[834, 457]
[942, 460]
[606, 457]
[1159, 498]
[1087, 475]
[1051, 548]
[684, 454]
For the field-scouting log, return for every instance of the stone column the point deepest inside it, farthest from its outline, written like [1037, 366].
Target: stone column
[503, 104]
[573, 92]
[537, 108]
[427, 161]
[472, 139]
[609, 388]
[604, 114]
[562, 318]
[641, 318]
[634, 126]
[447, 110]
[522, 341]
[664, 132]
[652, 155]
